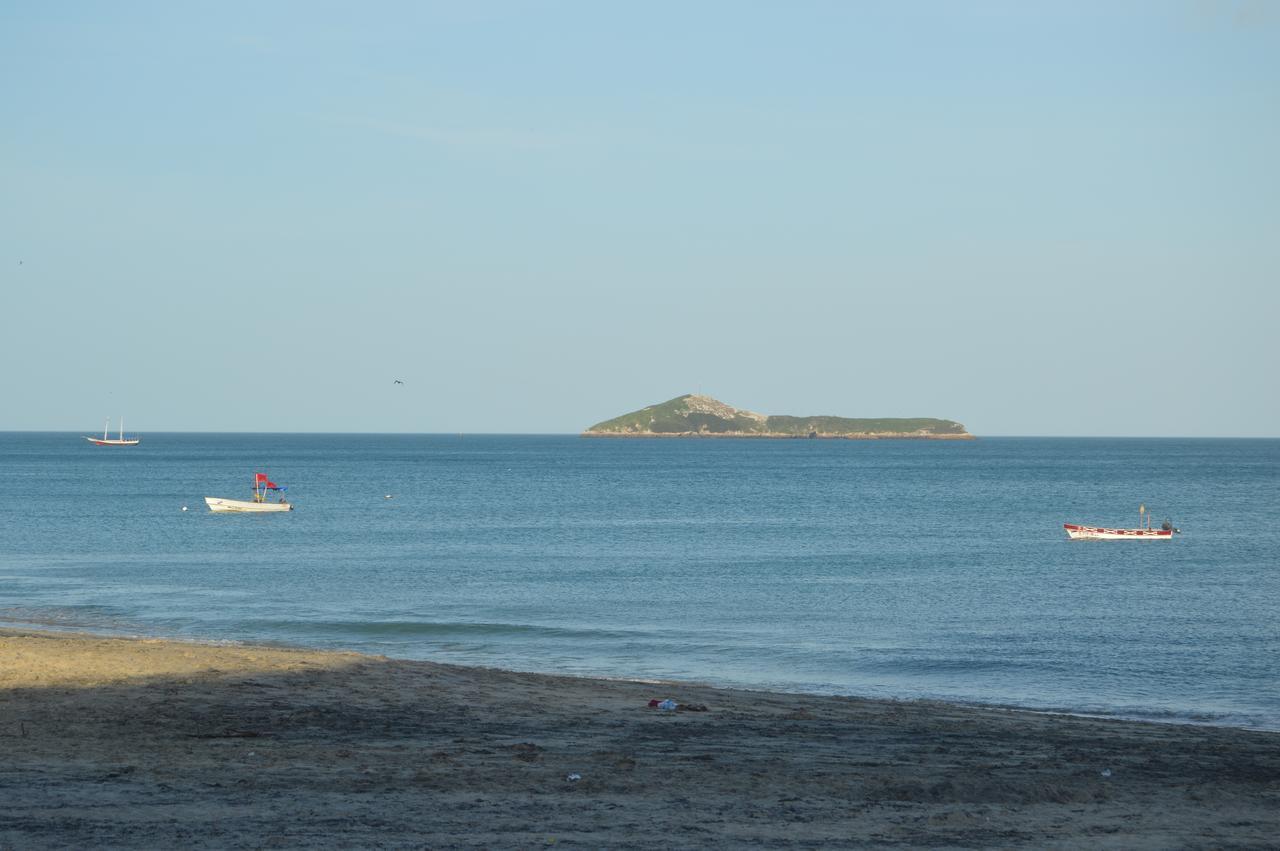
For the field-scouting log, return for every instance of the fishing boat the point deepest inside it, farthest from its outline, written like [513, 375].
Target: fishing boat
[112, 441]
[262, 487]
[1165, 532]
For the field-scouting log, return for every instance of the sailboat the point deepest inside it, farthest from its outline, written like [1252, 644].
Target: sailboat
[112, 441]
[261, 485]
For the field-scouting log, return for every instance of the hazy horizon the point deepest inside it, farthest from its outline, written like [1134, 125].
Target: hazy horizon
[131, 432]
[1057, 219]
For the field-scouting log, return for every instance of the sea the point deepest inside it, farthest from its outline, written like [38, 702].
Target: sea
[888, 569]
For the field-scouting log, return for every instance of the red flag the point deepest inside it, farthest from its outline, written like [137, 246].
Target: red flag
[259, 478]
[272, 485]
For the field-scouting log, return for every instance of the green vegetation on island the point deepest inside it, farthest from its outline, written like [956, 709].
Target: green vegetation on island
[702, 416]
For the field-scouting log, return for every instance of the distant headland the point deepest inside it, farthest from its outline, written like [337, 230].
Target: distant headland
[702, 416]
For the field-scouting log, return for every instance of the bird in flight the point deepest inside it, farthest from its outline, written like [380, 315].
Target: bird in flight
[397, 381]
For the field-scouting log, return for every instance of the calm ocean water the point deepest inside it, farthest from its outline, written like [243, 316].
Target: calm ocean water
[900, 569]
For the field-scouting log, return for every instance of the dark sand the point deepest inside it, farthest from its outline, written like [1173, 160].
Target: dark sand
[137, 743]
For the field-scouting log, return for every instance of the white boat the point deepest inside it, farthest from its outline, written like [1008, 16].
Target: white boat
[217, 504]
[1166, 531]
[259, 503]
[112, 441]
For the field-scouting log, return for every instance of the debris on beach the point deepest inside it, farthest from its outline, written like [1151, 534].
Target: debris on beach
[669, 705]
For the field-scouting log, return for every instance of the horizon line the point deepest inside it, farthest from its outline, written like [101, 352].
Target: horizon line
[643, 437]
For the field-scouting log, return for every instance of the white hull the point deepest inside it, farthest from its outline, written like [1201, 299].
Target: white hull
[113, 441]
[216, 504]
[1098, 533]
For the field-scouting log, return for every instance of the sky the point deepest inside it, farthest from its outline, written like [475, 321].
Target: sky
[1033, 218]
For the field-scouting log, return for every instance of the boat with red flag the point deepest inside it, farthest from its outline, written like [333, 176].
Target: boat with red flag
[1164, 532]
[263, 487]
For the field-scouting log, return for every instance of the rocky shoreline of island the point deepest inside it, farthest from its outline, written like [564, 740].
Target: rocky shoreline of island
[778, 435]
[702, 416]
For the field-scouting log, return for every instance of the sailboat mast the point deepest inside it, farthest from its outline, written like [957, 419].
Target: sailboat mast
[122, 426]
[106, 426]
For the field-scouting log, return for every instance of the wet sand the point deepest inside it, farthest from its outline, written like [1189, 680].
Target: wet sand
[108, 742]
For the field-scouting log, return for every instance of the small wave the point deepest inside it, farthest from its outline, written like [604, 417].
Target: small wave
[1202, 718]
[429, 629]
[68, 617]
[924, 667]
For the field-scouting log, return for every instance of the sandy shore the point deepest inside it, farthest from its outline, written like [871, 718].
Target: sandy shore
[138, 743]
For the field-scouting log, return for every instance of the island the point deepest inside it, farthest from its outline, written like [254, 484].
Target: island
[701, 416]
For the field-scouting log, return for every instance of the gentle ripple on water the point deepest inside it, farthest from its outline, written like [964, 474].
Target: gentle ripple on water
[903, 569]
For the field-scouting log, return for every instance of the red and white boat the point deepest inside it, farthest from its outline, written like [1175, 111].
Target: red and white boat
[111, 441]
[1166, 531]
[261, 484]
[1101, 533]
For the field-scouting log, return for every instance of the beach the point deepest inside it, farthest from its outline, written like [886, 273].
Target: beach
[125, 742]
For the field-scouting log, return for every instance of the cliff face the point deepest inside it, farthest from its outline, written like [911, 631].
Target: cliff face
[702, 416]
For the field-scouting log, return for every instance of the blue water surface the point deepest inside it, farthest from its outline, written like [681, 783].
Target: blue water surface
[881, 568]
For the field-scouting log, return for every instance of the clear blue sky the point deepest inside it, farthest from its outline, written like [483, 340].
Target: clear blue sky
[1034, 218]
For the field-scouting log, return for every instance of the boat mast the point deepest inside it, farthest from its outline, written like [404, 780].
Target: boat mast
[122, 428]
[106, 426]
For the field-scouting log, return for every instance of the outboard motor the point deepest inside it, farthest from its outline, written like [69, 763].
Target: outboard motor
[1169, 527]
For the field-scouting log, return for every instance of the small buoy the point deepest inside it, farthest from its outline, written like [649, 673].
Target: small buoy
[184, 508]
